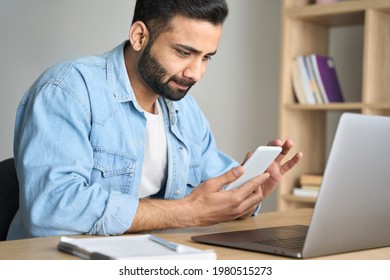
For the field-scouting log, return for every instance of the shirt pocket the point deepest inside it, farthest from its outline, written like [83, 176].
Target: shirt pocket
[194, 177]
[113, 170]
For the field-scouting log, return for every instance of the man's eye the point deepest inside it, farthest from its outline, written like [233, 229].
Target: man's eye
[183, 53]
[207, 58]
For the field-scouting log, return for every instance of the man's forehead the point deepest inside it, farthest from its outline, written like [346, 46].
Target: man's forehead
[179, 20]
[192, 33]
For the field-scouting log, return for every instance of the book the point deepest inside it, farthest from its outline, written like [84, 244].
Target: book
[137, 247]
[310, 187]
[297, 84]
[310, 180]
[313, 82]
[305, 79]
[325, 1]
[320, 86]
[326, 76]
[306, 192]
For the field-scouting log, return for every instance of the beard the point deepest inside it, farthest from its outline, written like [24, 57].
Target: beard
[153, 73]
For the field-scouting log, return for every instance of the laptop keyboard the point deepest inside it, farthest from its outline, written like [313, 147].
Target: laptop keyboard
[290, 243]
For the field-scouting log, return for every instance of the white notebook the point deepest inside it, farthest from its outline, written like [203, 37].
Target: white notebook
[140, 247]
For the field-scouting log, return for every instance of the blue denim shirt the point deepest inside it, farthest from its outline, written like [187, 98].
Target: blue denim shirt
[79, 146]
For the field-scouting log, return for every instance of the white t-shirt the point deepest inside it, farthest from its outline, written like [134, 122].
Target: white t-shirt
[154, 171]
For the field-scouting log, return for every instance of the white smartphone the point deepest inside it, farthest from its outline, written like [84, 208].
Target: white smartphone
[260, 160]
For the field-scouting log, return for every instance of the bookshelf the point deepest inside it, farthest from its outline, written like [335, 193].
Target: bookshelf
[306, 29]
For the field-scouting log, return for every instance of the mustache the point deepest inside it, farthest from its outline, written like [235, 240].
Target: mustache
[183, 82]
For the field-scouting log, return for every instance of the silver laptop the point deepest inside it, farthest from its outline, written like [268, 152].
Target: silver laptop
[352, 211]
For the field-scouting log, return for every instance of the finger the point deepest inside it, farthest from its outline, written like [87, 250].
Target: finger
[247, 156]
[247, 214]
[251, 203]
[229, 176]
[250, 187]
[290, 163]
[276, 142]
[286, 147]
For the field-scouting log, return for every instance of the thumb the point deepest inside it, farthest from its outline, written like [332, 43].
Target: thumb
[226, 178]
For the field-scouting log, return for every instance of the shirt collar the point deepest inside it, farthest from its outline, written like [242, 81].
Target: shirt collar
[117, 75]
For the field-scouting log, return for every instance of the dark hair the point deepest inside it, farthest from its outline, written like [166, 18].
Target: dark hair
[157, 14]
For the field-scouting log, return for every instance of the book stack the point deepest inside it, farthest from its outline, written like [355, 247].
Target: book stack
[325, 1]
[315, 80]
[309, 185]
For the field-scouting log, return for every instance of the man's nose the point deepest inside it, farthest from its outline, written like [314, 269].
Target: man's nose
[195, 70]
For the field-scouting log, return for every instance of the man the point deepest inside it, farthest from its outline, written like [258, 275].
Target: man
[101, 141]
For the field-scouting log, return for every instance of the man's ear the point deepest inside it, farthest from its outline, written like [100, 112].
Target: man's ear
[138, 35]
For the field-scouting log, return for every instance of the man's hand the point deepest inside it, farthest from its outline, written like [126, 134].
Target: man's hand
[278, 168]
[213, 204]
[208, 204]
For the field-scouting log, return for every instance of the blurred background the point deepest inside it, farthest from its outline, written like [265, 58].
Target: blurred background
[239, 93]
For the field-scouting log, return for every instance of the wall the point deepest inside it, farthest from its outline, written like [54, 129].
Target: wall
[239, 93]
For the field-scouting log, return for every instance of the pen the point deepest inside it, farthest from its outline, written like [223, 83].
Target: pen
[81, 253]
[167, 244]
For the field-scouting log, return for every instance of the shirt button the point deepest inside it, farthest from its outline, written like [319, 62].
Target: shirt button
[177, 192]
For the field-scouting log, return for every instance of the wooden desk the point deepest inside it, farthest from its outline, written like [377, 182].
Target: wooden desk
[46, 247]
